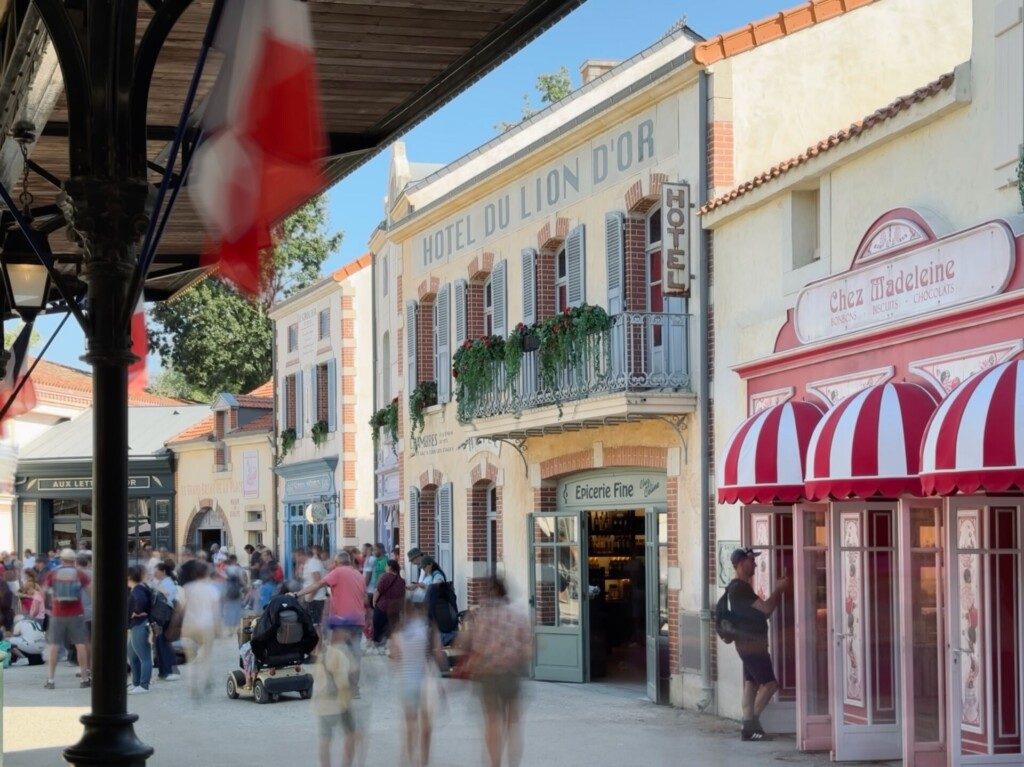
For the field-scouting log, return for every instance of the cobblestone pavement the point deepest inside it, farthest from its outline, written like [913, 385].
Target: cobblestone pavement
[565, 725]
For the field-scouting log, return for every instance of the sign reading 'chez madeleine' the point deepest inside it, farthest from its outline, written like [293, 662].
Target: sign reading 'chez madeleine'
[639, 143]
[953, 271]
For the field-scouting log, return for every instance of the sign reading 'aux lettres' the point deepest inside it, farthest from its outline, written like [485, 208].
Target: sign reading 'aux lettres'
[615, 155]
[675, 239]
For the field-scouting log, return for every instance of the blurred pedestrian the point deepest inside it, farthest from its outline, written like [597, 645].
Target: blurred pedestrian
[28, 642]
[499, 649]
[313, 573]
[65, 585]
[387, 604]
[6, 608]
[140, 655]
[236, 583]
[332, 698]
[188, 567]
[199, 628]
[167, 669]
[84, 563]
[31, 597]
[414, 653]
[271, 577]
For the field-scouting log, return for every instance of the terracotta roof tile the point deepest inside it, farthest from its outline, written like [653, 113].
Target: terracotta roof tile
[200, 430]
[352, 267]
[264, 422]
[875, 118]
[63, 380]
[264, 390]
[248, 400]
[764, 31]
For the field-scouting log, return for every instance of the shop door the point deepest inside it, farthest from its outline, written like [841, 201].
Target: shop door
[558, 595]
[811, 627]
[865, 625]
[656, 592]
[986, 632]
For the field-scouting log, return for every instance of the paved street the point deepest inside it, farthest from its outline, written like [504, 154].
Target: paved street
[567, 725]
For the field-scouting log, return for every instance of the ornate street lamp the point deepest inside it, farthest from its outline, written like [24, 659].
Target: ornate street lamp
[26, 281]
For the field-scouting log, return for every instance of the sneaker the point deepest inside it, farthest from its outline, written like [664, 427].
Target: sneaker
[138, 690]
[171, 677]
[49, 685]
[87, 682]
[78, 673]
[755, 735]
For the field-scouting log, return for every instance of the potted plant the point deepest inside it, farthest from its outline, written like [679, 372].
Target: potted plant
[473, 371]
[319, 432]
[287, 441]
[386, 418]
[422, 397]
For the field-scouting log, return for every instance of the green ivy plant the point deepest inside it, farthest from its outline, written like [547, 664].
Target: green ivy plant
[386, 418]
[564, 337]
[319, 432]
[288, 437]
[473, 371]
[422, 397]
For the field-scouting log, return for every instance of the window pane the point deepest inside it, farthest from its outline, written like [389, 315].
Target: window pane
[654, 262]
[568, 586]
[560, 273]
[543, 529]
[487, 295]
[654, 227]
[563, 298]
[544, 584]
[815, 600]
[568, 530]
[924, 616]
[492, 547]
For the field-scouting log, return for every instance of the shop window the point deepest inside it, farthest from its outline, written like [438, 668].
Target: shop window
[324, 324]
[293, 337]
[814, 598]
[805, 225]
[561, 282]
[926, 620]
[290, 419]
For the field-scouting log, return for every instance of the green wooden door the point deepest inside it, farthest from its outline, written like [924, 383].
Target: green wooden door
[557, 550]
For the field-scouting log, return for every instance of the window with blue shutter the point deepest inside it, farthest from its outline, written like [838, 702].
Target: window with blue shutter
[615, 249]
[410, 347]
[499, 298]
[443, 526]
[332, 395]
[461, 320]
[314, 395]
[575, 266]
[529, 256]
[442, 345]
[412, 523]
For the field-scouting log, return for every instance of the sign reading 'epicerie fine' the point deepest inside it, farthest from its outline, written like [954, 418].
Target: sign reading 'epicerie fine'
[953, 271]
[625, 491]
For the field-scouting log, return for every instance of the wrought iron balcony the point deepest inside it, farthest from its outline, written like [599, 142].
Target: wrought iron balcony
[639, 352]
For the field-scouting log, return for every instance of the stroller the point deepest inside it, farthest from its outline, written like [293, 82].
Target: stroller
[279, 641]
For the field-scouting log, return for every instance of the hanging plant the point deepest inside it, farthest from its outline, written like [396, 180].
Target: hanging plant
[319, 432]
[565, 337]
[287, 441]
[385, 418]
[422, 397]
[473, 371]
[517, 344]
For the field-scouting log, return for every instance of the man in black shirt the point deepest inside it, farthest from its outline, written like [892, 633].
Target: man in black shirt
[751, 627]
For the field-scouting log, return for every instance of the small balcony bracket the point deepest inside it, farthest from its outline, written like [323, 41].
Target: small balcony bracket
[679, 424]
[517, 444]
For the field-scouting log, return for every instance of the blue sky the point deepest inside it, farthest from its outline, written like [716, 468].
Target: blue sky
[600, 29]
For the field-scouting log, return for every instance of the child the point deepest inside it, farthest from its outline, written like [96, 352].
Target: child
[332, 698]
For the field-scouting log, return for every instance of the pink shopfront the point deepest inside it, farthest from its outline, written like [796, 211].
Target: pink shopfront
[882, 466]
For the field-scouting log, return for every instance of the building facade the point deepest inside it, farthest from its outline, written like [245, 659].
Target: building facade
[224, 485]
[322, 338]
[869, 386]
[543, 317]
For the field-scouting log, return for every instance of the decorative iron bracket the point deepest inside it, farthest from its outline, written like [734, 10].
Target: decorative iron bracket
[680, 424]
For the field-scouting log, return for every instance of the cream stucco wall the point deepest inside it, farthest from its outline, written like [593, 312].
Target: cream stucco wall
[933, 157]
[360, 287]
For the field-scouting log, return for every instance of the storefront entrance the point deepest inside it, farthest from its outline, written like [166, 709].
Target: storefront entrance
[599, 586]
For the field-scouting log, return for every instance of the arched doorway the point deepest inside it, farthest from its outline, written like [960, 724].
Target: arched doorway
[207, 526]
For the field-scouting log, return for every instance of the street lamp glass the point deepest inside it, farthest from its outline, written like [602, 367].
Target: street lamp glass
[29, 284]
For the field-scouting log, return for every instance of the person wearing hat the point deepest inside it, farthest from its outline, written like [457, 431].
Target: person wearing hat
[750, 620]
[418, 588]
[66, 585]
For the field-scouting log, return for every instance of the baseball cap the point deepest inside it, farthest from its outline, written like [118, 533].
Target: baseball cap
[738, 555]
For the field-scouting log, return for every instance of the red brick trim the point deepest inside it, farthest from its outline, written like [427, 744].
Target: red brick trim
[431, 477]
[548, 240]
[427, 289]
[720, 155]
[487, 472]
[480, 267]
[644, 457]
[567, 464]
[638, 202]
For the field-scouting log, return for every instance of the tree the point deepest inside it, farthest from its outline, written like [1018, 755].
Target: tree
[213, 340]
[552, 86]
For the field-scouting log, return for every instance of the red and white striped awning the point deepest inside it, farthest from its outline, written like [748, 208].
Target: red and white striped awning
[975, 441]
[870, 444]
[764, 458]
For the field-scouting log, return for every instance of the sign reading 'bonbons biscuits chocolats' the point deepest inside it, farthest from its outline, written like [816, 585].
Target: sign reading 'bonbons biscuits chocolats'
[956, 270]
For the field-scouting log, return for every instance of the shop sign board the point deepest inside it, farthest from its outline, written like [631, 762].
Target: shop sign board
[612, 491]
[250, 474]
[675, 236]
[85, 483]
[321, 484]
[620, 152]
[950, 272]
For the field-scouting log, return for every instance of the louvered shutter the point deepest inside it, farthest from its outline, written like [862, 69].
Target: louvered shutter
[410, 347]
[412, 525]
[499, 297]
[461, 286]
[529, 286]
[615, 249]
[282, 404]
[1008, 120]
[314, 395]
[332, 395]
[575, 266]
[443, 354]
[299, 410]
[444, 529]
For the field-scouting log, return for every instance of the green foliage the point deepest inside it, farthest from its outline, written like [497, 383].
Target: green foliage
[10, 336]
[386, 418]
[170, 383]
[422, 397]
[319, 432]
[288, 437]
[473, 370]
[552, 86]
[217, 340]
[565, 337]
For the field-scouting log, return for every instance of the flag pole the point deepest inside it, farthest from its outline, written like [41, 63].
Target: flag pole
[21, 383]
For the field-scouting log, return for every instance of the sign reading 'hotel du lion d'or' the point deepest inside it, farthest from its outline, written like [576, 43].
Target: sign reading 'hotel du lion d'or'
[944, 273]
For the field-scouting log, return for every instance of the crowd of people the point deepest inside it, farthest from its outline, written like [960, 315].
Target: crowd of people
[366, 601]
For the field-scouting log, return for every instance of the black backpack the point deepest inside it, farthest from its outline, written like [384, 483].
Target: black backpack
[160, 610]
[444, 610]
[725, 620]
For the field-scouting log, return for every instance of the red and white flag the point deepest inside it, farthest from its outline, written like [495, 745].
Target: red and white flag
[138, 375]
[25, 399]
[263, 144]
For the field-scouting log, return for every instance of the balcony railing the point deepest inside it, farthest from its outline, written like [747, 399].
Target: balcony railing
[640, 351]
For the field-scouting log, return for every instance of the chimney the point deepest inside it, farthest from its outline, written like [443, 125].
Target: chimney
[591, 69]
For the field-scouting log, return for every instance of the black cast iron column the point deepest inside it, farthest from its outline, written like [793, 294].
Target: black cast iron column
[109, 218]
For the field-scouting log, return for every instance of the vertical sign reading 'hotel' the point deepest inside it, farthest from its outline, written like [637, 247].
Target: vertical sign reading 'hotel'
[675, 238]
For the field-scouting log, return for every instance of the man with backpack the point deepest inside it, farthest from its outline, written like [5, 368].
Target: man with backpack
[741, 616]
[65, 585]
[442, 607]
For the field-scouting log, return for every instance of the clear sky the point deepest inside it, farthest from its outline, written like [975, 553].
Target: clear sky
[600, 29]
